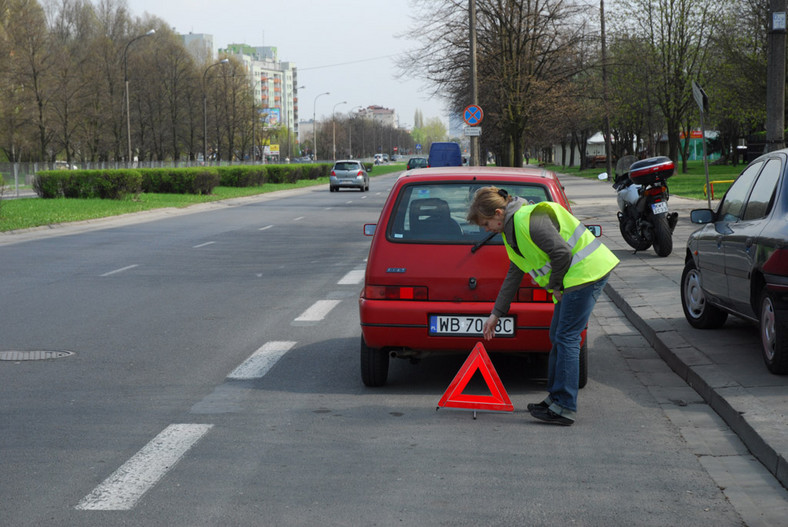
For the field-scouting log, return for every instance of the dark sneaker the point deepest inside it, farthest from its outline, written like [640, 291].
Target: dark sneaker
[532, 406]
[549, 416]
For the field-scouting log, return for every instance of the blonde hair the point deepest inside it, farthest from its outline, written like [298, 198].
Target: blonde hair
[485, 202]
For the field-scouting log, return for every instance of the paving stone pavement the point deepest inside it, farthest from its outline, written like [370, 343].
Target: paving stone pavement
[723, 366]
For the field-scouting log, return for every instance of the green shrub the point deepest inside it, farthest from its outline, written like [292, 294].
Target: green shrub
[106, 184]
[200, 180]
[243, 176]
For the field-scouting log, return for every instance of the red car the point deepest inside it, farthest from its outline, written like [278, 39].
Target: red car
[432, 278]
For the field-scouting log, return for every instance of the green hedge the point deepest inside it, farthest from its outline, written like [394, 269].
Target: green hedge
[117, 184]
[200, 180]
[104, 184]
[252, 176]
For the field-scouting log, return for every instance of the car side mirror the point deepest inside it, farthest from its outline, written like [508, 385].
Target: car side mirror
[596, 230]
[602, 177]
[369, 229]
[702, 216]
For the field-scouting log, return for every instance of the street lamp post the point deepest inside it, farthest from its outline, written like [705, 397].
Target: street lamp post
[350, 132]
[126, 84]
[334, 130]
[289, 128]
[205, 111]
[314, 125]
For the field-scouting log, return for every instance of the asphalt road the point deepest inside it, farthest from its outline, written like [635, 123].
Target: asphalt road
[214, 380]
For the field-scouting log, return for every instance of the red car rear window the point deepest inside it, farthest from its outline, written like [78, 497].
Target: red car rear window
[435, 213]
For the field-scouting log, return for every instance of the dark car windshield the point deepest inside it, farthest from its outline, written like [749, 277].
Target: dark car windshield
[436, 212]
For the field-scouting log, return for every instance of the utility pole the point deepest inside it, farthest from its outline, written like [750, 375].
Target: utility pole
[775, 78]
[606, 131]
[474, 161]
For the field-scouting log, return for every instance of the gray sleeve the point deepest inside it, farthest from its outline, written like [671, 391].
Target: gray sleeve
[544, 233]
[508, 290]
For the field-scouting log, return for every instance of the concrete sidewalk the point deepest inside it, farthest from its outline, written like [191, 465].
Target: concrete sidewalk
[724, 366]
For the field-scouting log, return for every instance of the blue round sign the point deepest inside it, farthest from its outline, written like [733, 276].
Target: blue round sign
[473, 115]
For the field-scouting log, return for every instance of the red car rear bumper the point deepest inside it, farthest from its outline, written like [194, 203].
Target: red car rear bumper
[404, 325]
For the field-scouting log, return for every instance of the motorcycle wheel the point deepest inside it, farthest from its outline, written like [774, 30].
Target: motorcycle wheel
[663, 239]
[629, 232]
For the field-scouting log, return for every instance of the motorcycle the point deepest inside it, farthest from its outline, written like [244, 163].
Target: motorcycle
[642, 195]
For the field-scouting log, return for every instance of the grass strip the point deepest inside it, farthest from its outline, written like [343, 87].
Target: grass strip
[16, 214]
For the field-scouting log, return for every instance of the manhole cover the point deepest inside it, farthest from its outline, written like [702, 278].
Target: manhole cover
[33, 355]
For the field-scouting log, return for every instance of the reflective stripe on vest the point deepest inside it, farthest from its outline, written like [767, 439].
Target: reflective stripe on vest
[576, 258]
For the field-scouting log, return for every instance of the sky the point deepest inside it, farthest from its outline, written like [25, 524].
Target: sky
[345, 47]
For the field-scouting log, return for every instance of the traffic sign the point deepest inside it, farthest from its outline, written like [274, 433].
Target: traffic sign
[473, 115]
[472, 131]
[497, 401]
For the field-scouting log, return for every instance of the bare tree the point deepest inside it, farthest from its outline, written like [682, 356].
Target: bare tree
[678, 37]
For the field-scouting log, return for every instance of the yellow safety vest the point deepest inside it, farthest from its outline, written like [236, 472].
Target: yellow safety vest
[591, 260]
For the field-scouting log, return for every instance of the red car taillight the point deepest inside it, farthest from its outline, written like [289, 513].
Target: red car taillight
[532, 294]
[360, 173]
[333, 173]
[395, 292]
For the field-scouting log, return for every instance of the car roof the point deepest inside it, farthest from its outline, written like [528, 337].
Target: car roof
[525, 174]
[347, 161]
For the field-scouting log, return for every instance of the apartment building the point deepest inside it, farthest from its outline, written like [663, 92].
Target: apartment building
[275, 83]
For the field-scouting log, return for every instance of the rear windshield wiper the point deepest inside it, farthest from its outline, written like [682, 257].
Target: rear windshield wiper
[483, 241]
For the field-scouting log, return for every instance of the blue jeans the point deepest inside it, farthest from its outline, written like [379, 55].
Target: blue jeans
[563, 368]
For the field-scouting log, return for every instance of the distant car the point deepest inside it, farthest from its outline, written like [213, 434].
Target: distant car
[432, 278]
[417, 162]
[445, 155]
[348, 173]
[738, 262]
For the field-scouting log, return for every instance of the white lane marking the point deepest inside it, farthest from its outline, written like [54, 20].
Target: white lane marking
[265, 228]
[363, 197]
[348, 202]
[318, 311]
[116, 271]
[203, 245]
[353, 277]
[261, 360]
[299, 218]
[123, 489]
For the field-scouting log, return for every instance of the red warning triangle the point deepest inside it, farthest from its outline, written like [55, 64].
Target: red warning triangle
[497, 401]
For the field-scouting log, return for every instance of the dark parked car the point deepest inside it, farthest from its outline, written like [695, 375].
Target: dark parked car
[417, 162]
[738, 262]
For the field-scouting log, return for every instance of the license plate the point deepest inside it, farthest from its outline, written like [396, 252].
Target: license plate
[468, 326]
[659, 207]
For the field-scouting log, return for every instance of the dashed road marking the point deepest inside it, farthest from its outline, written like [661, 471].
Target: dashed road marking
[261, 360]
[116, 271]
[124, 488]
[203, 245]
[354, 277]
[318, 311]
[265, 228]
[299, 218]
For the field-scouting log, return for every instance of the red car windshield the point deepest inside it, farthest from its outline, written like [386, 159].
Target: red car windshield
[435, 213]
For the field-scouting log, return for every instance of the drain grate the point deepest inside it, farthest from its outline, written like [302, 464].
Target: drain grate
[33, 355]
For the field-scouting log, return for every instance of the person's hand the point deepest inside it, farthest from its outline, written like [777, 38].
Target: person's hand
[557, 295]
[489, 327]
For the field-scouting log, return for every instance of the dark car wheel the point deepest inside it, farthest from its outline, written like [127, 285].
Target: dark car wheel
[663, 239]
[583, 366]
[374, 365]
[699, 313]
[774, 335]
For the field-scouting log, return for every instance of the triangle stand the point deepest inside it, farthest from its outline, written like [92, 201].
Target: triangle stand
[497, 401]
